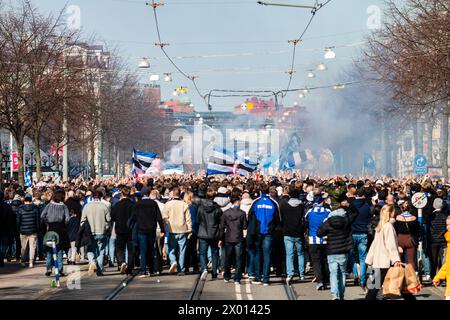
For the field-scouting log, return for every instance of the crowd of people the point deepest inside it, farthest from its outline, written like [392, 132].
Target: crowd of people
[255, 227]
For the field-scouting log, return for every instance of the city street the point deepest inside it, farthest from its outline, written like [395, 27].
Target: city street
[31, 284]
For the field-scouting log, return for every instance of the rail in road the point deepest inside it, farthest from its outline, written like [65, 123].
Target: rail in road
[198, 286]
[290, 291]
[121, 286]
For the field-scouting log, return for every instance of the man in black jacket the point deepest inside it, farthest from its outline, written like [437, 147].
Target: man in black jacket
[208, 219]
[147, 215]
[232, 225]
[438, 228]
[338, 230]
[120, 214]
[293, 226]
[28, 225]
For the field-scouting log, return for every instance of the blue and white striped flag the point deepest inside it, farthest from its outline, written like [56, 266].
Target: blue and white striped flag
[142, 161]
[295, 159]
[222, 161]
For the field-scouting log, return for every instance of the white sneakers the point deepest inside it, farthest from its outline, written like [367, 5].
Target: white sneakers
[204, 275]
[173, 268]
[31, 265]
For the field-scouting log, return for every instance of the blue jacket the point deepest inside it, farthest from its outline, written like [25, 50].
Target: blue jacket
[362, 221]
[264, 216]
[315, 217]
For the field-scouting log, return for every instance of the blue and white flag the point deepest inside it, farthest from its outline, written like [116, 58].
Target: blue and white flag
[142, 161]
[369, 162]
[28, 180]
[222, 161]
[173, 169]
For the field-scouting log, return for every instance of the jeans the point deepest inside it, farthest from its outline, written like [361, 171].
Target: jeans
[192, 254]
[203, 246]
[251, 252]
[337, 263]
[97, 251]
[40, 245]
[263, 250]
[230, 250]
[289, 244]
[146, 247]
[177, 245]
[124, 243]
[49, 260]
[112, 249]
[360, 250]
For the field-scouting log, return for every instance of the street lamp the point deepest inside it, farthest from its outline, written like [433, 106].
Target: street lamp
[321, 67]
[329, 53]
[144, 64]
[311, 74]
[167, 77]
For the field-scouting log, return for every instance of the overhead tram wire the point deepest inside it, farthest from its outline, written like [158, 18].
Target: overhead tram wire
[291, 72]
[154, 5]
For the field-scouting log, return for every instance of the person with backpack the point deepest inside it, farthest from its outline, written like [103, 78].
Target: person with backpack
[293, 227]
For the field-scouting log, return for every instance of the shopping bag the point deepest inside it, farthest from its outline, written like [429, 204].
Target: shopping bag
[393, 283]
[412, 283]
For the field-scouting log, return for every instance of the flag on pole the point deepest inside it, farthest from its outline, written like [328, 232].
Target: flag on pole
[142, 161]
[369, 162]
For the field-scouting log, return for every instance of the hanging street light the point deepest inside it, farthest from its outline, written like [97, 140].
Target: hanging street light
[329, 53]
[311, 74]
[167, 77]
[144, 64]
[321, 67]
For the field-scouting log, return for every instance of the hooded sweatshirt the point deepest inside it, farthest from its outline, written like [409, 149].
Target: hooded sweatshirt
[292, 218]
[223, 201]
[208, 219]
[232, 224]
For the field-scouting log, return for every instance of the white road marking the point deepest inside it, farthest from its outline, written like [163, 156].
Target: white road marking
[237, 287]
[248, 290]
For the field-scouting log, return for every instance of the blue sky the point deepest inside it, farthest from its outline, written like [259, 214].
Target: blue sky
[254, 36]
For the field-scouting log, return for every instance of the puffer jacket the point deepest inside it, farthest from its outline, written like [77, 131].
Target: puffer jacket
[232, 224]
[7, 220]
[338, 230]
[208, 219]
[28, 219]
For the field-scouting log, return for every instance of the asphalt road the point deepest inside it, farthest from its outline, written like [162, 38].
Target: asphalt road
[31, 284]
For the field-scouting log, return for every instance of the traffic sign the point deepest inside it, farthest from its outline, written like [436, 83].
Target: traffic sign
[420, 161]
[419, 200]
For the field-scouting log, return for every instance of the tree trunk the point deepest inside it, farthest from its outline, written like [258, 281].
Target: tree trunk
[92, 173]
[444, 143]
[56, 157]
[430, 143]
[117, 161]
[20, 156]
[37, 153]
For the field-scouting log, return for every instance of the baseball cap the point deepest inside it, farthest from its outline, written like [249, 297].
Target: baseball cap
[28, 197]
